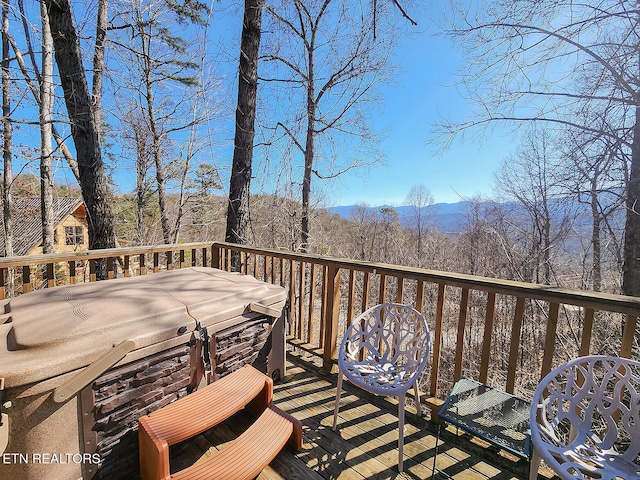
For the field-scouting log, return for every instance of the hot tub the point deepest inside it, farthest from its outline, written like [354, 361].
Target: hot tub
[81, 363]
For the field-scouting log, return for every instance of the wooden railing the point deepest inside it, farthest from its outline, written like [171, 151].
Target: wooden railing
[19, 275]
[327, 294]
[505, 333]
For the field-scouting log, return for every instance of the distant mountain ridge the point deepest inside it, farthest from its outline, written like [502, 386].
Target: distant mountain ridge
[446, 217]
[453, 217]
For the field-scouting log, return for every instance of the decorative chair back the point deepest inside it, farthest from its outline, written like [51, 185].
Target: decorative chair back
[385, 348]
[585, 418]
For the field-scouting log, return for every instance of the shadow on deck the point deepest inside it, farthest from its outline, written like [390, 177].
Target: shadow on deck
[364, 445]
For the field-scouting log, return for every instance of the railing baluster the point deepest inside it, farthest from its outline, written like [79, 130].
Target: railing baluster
[352, 297]
[274, 269]
[143, 264]
[72, 272]
[516, 331]
[462, 322]
[292, 295]
[181, 258]
[156, 262]
[365, 290]
[282, 272]
[194, 257]
[312, 294]
[420, 296]
[628, 335]
[323, 305]
[332, 280]
[550, 339]
[26, 279]
[268, 273]
[4, 272]
[126, 266]
[51, 278]
[400, 289]
[382, 294]
[169, 258]
[301, 296]
[110, 271]
[488, 334]
[437, 340]
[587, 327]
[92, 270]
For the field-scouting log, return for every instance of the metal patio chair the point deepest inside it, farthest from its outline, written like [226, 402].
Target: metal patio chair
[585, 419]
[384, 352]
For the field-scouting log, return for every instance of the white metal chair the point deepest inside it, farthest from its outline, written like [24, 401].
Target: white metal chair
[384, 352]
[585, 419]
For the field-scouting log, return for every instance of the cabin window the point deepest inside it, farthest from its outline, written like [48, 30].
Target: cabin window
[74, 235]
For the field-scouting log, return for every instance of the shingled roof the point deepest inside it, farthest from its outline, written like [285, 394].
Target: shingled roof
[27, 221]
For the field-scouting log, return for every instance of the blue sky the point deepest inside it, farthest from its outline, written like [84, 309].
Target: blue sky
[424, 92]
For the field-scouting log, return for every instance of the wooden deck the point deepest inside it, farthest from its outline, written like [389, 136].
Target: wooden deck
[364, 445]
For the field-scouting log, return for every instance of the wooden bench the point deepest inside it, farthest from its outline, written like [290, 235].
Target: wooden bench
[246, 456]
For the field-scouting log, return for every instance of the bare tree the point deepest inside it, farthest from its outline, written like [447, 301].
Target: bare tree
[84, 129]
[33, 83]
[7, 135]
[160, 81]
[532, 177]
[569, 64]
[331, 56]
[240, 182]
[418, 199]
[595, 176]
[46, 123]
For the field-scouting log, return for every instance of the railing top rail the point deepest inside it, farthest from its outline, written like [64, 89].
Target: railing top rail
[586, 299]
[8, 262]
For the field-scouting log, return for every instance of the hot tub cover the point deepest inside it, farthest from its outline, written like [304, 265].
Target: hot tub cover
[54, 331]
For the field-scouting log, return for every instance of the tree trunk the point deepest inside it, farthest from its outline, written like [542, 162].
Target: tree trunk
[93, 180]
[7, 151]
[309, 148]
[141, 189]
[98, 61]
[156, 148]
[7, 134]
[596, 244]
[46, 147]
[309, 154]
[240, 182]
[631, 268]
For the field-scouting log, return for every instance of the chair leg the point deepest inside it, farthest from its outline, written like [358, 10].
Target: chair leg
[338, 392]
[416, 392]
[534, 466]
[401, 403]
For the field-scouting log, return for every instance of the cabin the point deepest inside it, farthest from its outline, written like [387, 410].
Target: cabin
[70, 226]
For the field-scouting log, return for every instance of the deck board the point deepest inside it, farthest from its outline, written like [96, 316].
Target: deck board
[364, 445]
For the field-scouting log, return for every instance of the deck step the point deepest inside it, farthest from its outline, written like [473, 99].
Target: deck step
[191, 415]
[251, 452]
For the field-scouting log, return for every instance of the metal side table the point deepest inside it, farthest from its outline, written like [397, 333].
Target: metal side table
[492, 415]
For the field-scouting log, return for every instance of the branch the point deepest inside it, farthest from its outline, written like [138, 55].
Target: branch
[293, 138]
[475, 123]
[555, 34]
